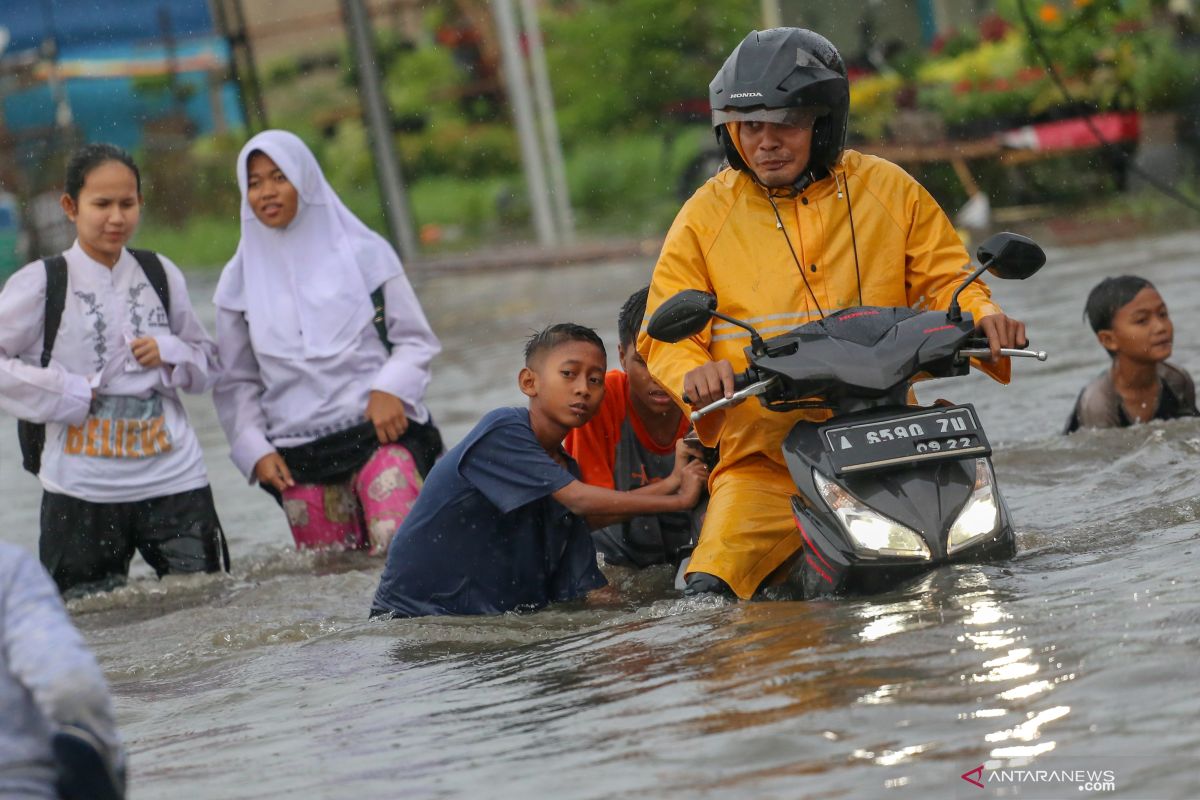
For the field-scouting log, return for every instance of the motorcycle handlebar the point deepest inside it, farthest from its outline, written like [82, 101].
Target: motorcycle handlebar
[756, 388]
[978, 347]
[740, 381]
[986, 354]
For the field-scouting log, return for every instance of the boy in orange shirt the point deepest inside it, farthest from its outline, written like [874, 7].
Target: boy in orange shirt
[635, 442]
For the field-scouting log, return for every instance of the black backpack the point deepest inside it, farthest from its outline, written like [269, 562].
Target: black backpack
[32, 435]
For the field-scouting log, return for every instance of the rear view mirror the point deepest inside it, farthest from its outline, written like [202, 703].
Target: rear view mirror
[1011, 256]
[681, 316]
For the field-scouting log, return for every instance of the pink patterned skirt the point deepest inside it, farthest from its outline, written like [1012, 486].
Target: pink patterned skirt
[364, 511]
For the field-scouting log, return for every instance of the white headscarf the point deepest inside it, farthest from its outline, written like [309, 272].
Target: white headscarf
[305, 289]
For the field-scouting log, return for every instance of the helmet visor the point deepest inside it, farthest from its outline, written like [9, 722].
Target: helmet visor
[795, 117]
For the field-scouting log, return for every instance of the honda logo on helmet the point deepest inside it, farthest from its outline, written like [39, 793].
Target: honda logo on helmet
[736, 95]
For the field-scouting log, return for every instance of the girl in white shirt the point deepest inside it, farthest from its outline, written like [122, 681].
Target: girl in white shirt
[322, 397]
[121, 468]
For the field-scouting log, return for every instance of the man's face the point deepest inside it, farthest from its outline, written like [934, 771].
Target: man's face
[777, 153]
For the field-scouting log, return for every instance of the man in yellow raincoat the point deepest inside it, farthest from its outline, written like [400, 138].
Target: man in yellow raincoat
[796, 228]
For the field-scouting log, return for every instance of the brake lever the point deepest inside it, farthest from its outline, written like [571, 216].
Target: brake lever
[750, 391]
[1012, 352]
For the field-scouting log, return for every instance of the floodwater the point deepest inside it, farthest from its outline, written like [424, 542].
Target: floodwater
[1083, 653]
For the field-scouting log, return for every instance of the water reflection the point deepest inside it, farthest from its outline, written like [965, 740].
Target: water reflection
[1030, 729]
[216, 677]
[989, 627]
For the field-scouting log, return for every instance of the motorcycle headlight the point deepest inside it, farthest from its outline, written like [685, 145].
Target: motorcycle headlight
[869, 530]
[980, 515]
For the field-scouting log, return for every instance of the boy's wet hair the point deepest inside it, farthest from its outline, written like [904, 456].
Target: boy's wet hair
[90, 156]
[1109, 296]
[550, 337]
[629, 319]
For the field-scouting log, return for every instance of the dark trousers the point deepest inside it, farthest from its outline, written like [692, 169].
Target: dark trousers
[88, 546]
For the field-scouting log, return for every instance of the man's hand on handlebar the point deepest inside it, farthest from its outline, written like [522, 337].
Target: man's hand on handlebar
[1001, 330]
[708, 383]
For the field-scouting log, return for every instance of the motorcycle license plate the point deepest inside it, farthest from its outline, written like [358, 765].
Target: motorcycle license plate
[932, 434]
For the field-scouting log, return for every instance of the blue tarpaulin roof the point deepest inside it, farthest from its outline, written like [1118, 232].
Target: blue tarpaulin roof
[101, 45]
[84, 24]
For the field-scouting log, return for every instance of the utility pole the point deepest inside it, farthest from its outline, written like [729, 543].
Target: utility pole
[231, 22]
[518, 93]
[63, 117]
[379, 127]
[549, 124]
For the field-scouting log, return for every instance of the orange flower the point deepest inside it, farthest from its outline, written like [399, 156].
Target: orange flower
[1049, 13]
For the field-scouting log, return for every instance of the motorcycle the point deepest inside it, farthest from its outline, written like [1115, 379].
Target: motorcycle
[885, 490]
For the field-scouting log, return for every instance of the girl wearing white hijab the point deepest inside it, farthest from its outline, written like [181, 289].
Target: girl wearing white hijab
[321, 400]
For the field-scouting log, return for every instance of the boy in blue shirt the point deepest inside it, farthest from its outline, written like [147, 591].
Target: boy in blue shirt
[503, 520]
[631, 444]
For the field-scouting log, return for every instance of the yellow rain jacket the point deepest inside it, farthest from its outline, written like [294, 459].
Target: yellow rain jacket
[726, 241]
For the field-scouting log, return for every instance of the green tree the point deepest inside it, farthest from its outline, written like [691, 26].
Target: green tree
[624, 65]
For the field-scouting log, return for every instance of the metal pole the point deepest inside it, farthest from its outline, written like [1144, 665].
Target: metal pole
[251, 71]
[231, 22]
[172, 58]
[518, 93]
[772, 17]
[549, 124]
[379, 126]
[63, 118]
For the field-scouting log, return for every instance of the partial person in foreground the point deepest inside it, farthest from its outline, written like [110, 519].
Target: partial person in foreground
[797, 227]
[502, 523]
[96, 346]
[326, 353]
[1131, 322]
[58, 737]
[635, 442]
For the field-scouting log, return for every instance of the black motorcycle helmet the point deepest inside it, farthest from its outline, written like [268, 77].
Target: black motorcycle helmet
[773, 72]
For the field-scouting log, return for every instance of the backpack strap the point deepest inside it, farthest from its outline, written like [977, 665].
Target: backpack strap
[381, 317]
[56, 300]
[32, 435]
[150, 264]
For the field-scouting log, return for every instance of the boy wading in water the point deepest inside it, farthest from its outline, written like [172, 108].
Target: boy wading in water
[635, 442]
[502, 522]
[1131, 323]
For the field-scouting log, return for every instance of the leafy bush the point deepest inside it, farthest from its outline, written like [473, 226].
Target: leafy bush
[1167, 77]
[618, 65]
[455, 147]
[1112, 53]
[203, 242]
[472, 205]
[214, 165]
[421, 80]
[872, 104]
[346, 157]
[1109, 53]
[631, 183]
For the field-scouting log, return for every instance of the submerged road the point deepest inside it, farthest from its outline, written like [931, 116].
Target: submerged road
[1081, 654]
